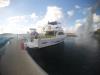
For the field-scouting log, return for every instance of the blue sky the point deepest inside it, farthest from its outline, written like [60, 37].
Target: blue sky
[40, 8]
[20, 7]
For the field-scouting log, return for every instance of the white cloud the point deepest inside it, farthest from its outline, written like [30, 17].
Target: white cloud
[77, 6]
[77, 25]
[1, 29]
[96, 18]
[87, 11]
[70, 13]
[4, 3]
[23, 19]
[84, 20]
[13, 29]
[16, 19]
[20, 24]
[78, 20]
[74, 28]
[53, 13]
[33, 16]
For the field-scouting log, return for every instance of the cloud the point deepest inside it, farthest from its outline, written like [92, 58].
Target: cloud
[4, 3]
[70, 13]
[13, 29]
[77, 25]
[21, 24]
[16, 24]
[17, 19]
[80, 25]
[74, 28]
[83, 20]
[33, 16]
[1, 29]
[87, 11]
[53, 13]
[77, 6]
[96, 18]
[23, 19]
[78, 20]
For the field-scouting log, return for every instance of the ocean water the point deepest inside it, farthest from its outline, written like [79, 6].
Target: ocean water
[3, 41]
[73, 57]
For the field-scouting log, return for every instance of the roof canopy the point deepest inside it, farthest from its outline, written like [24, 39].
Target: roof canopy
[53, 23]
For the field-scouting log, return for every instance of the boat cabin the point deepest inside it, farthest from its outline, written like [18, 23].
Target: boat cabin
[53, 29]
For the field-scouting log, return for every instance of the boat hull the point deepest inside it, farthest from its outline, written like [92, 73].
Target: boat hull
[40, 43]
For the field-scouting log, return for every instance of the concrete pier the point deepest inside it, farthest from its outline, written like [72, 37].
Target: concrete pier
[16, 61]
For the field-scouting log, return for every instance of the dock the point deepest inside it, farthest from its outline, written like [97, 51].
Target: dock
[17, 61]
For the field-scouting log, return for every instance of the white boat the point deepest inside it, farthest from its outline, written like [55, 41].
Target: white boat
[52, 34]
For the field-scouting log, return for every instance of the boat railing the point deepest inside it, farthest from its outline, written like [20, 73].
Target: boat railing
[40, 36]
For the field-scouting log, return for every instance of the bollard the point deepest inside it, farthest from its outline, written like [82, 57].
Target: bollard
[22, 45]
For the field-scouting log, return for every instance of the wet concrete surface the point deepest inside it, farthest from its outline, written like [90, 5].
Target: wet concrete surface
[16, 61]
[69, 58]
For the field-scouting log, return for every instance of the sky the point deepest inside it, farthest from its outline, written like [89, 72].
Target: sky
[17, 16]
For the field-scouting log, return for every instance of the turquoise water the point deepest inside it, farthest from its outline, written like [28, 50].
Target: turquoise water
[3, 41]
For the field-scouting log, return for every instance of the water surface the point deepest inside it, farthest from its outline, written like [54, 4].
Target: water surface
[73, 57]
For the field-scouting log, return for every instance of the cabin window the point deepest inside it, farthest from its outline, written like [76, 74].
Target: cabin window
[60, 33]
